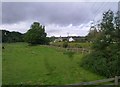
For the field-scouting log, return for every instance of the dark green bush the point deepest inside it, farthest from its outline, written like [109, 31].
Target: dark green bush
[65, 44]
[98, 62]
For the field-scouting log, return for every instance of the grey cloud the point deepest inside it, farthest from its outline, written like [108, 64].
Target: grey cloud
[51, 12]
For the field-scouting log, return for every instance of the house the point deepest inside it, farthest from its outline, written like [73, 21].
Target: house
[71, 39]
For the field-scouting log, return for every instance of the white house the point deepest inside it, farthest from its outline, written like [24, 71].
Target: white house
[71, 39]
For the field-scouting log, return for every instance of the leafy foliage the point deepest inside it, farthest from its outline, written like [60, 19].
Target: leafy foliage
[92, 34]
[10, 37]
[65, 44]
[36, 35]
[105, 58]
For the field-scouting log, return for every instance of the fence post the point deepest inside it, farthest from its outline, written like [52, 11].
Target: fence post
[116, 80]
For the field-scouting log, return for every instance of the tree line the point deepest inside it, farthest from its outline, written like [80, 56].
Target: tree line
[35, 35]
[10, 37]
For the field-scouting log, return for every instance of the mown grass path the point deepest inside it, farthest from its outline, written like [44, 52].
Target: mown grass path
[42, 65]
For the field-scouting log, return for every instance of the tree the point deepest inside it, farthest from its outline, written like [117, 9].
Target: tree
[106, 34]
[92, 34]
[105, 57]
[36, 34]
[117, 27]
[52, 38]
[10, 37]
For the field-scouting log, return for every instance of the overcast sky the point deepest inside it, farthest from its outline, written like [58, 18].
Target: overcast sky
[59, 18]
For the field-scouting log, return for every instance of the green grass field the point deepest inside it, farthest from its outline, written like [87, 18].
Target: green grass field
[42, 65]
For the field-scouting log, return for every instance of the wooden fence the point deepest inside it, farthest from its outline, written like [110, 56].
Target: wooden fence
[115, 79]
[82, 50]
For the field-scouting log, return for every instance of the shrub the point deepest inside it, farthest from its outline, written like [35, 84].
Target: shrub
[65, 44]
[100, 63]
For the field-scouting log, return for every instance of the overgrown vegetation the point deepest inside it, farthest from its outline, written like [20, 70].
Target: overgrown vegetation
[105, 59]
